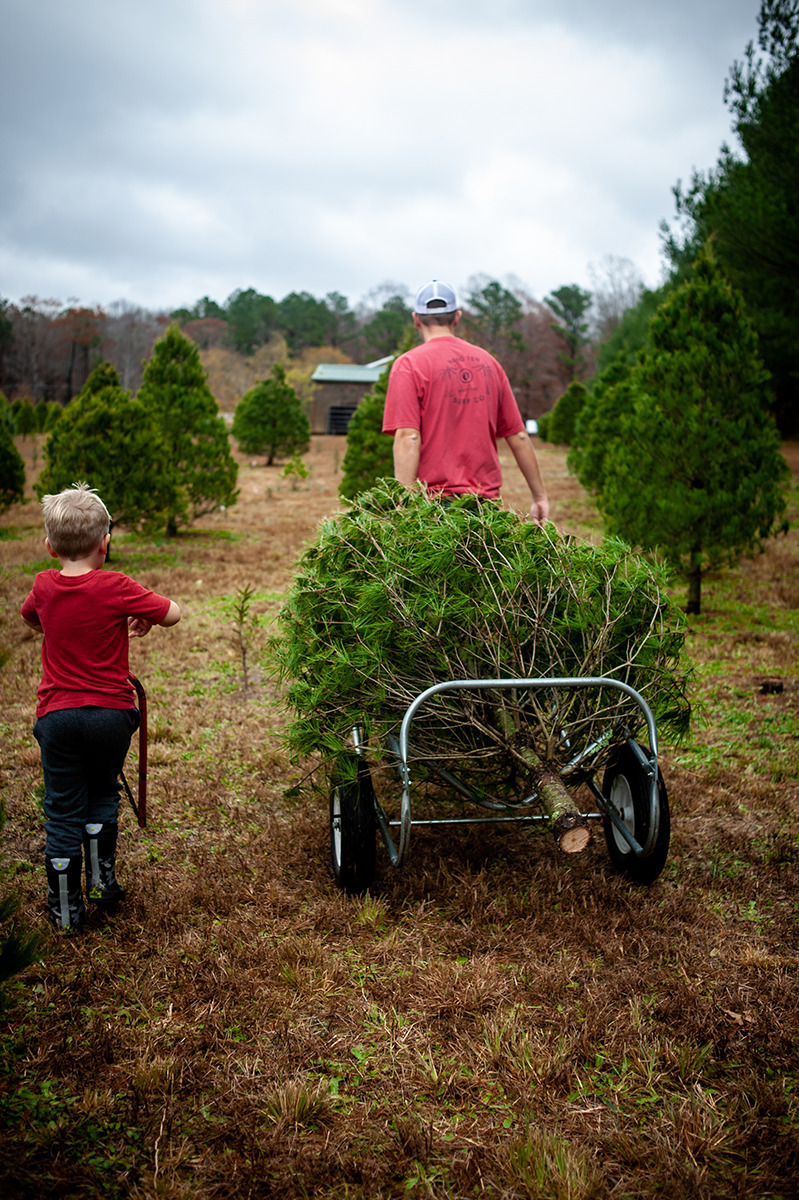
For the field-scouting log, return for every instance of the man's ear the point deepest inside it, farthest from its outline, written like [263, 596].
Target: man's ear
[50, 549]
[106, 542]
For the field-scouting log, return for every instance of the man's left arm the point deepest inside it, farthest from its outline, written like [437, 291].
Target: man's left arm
[522, 450]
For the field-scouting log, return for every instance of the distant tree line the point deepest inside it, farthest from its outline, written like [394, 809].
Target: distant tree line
[248, 319]
[47, 352]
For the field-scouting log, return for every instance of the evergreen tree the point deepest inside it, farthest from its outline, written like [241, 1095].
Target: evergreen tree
[341, 320]
[12, 469]
[47, 413]
[492, 313]
[103, 376]
[388, 327]
[24, 416]
[561, 425]
[53, 414]
[598, 426]
[748, 203]
[175, 392]
[370, 452]
[270, 420]
[696, 468]
[303, 320]
[19, 946]
[570, 305]
[115, 444]
[251, 317]
[204, 309]
[7, 415]
[398, 592]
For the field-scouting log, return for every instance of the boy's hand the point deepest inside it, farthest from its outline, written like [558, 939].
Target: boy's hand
[138, 627]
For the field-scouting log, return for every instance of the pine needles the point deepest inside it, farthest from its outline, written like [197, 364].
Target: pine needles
[401, 592]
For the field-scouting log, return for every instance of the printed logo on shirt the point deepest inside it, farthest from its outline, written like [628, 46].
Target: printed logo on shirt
[466, 384]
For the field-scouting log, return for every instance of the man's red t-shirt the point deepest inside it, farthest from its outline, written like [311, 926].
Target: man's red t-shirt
[460, 400]
[85, 647]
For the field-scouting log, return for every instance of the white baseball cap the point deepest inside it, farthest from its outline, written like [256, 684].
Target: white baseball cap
[436, 290]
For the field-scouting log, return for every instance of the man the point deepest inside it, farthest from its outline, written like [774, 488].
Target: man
[447, 403]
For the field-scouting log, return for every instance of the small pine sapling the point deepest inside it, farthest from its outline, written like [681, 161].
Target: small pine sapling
[295, 470]
[543, 426]
[247, 625]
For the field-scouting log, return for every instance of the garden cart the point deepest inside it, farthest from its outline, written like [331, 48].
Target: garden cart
[631, 803]
[507, 673]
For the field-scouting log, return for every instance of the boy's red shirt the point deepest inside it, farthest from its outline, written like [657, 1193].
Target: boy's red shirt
[85, 647]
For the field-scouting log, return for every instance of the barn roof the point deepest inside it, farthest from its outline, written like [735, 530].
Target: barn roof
[351, 372]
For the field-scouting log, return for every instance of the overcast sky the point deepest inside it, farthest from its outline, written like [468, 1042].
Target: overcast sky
[161, 150]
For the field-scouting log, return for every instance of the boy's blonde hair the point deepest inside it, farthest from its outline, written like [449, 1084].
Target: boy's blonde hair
[75, 521]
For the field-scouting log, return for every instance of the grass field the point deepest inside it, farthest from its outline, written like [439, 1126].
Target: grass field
[492, 1020]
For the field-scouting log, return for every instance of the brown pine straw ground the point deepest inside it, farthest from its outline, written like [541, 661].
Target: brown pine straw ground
[492, 1020]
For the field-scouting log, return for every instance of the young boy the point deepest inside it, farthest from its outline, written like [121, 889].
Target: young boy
[85, 715]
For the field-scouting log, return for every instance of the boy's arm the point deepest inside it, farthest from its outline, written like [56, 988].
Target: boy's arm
[29, 614]
[172, 616]
[140, 627]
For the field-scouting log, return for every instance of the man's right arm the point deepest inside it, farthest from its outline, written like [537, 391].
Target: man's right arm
[407, 448]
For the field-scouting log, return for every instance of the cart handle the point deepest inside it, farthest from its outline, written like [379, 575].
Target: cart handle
[589, 681]
[140, 807]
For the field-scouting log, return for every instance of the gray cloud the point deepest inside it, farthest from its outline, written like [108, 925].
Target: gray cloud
[164, 151]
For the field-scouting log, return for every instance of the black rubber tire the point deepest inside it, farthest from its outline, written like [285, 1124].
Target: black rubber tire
[626, 785]
[352, 825]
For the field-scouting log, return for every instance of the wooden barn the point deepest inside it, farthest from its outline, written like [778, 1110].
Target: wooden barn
[340, 387]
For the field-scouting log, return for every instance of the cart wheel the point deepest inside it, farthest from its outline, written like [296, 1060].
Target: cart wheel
[626, 785]
[352, 824]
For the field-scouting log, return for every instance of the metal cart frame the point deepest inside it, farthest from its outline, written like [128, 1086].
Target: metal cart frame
[634, 811]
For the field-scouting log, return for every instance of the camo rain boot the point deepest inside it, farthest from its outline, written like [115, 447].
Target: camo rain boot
[100, 851]
[65, 905]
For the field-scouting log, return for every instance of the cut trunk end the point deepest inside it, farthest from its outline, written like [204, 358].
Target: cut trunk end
[571, 833]
[570, 828]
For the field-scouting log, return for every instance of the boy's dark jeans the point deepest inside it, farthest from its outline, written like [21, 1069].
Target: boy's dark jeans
[83, 752]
